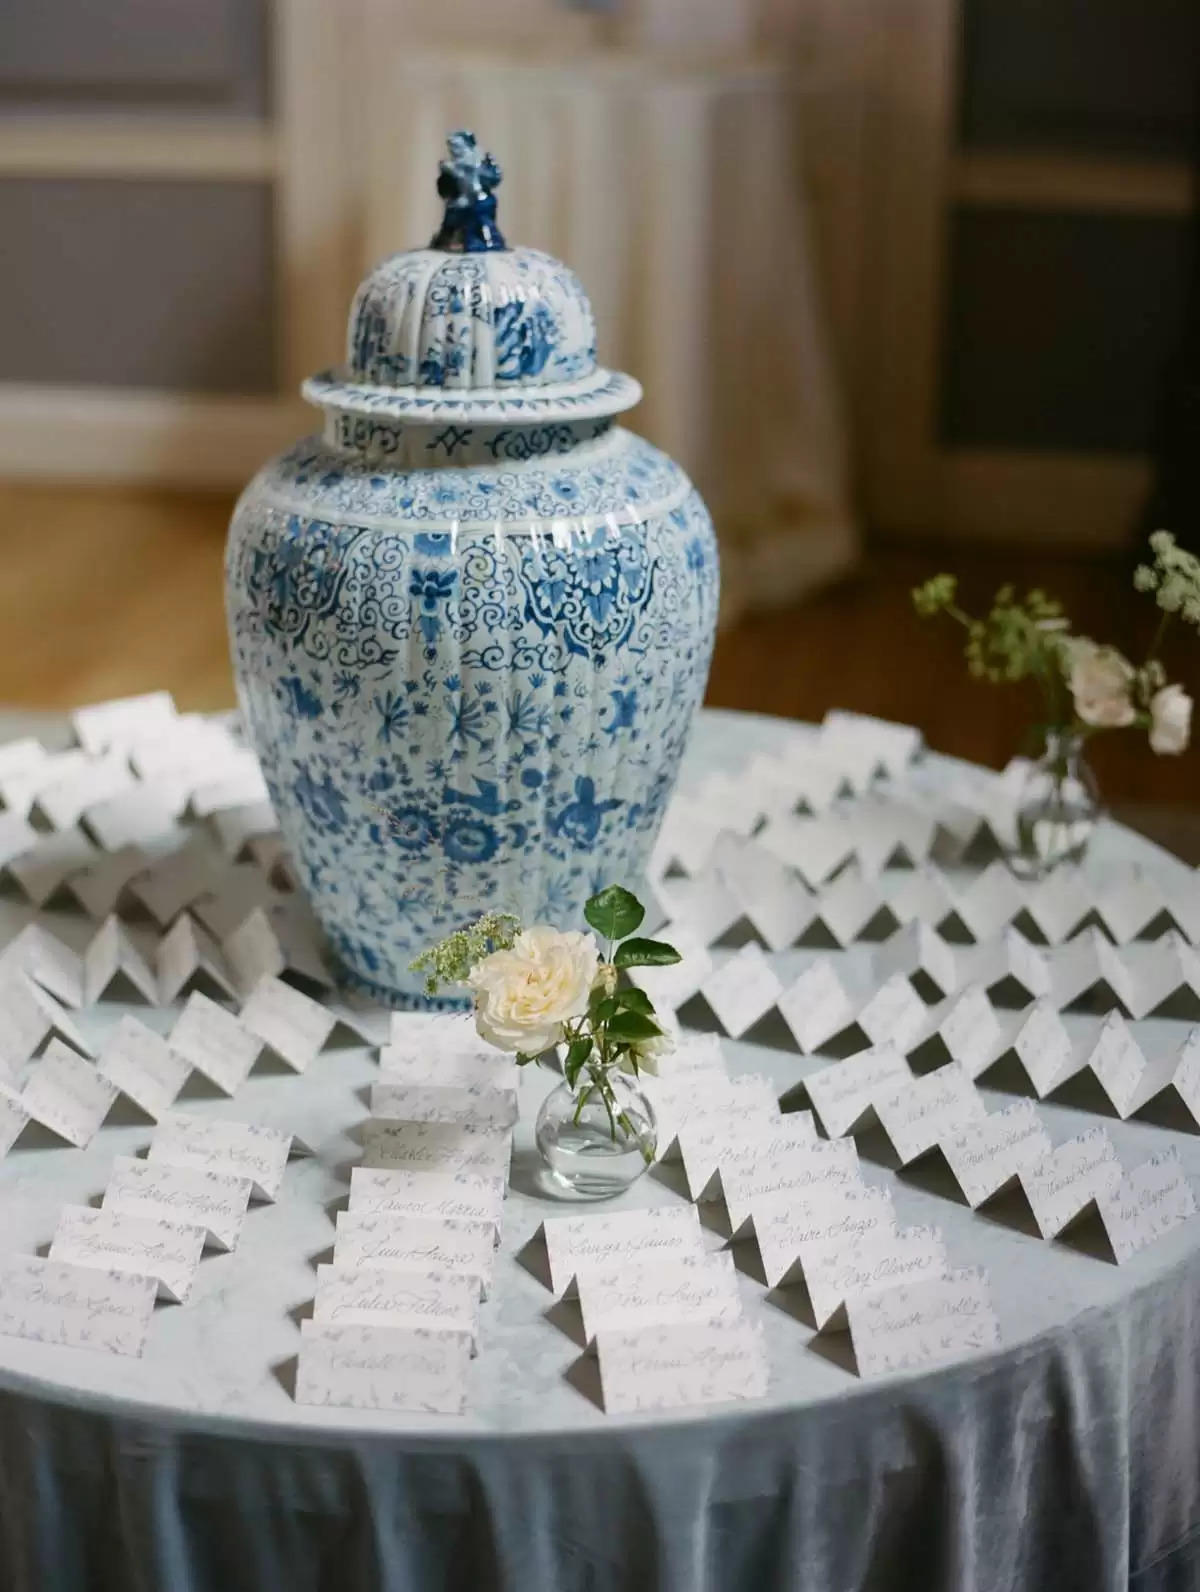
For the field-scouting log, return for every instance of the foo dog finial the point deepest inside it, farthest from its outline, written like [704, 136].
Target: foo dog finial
[467, 182]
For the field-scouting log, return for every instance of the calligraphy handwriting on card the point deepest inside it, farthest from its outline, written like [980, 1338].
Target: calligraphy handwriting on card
[895, 1013]
[460, 1195]
[748, 1182]
[210, 1200]
[457, 1068]
[414, 1243]
[922, 1323]
[985, 1156]
[294, 1026]
[187, 951]
[971, 1032]
[383, 1368]
[830, 1214]
[236, 1149]
[763, 1141]
[80, 1307]
[843, 1093]
[654, 1291]
[381, 1296]
[477, 1106]
[1145, 1204]
[703, 1142]
[438, 1146]
[816, 1007]
[214, 1042]
[143, 1066]
[687, 1099]
[574, 1241]
[839, 1273]
[1127, 1077]
[135, 813]
[101, 725]
[918, 1114]
[686, 1363]
[167, 1251]
[1065, 1181]
[67, 1094]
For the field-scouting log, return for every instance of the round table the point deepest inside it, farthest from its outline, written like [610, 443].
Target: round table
[1067, 1459]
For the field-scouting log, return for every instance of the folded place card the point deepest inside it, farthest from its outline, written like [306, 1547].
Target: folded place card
[684, 1364]
[765, 889]
[923, 1323]
[64, 801]
[924, 896]
[1128, 1079]
[383, 1240]
[587, 1241]
[13, 1118]
[44, 958]
[918, 953]
[123, 720]
[68, 1094]
[699, 1097]
[890, 747]
[895, 1013]
[135, 813]
[1057, 906]
[1089, 965]
[102, 886]
[377, 1296]
[214, 1042]
[816, 1007]
[173, 882]
[112, 956]
[1045, 1050]
[1013, 971]
[463, 1196]
[237, 826]
[28, 1017]
[253, 951]
[743, 989]
[843, 1094]
[689, 1054]
[17, 836]
[143, 1066]
[990, 901]
[410, 1369]
[42, 871]
[79, 1307]
[1186, 1077]
[988, 1155]
[748, 1182]
[20, 786]
[1129, 906]
[1064, 1182]
[293, 1025]
[839, 1273]
[706, 903]
[169, 1252]
[236, 1149]
[643, 1295]
[702, 1143]
[671, 987]
[829, 1214]
[970, 1031]
[917, 1115]
[1170, 970]
[1145, 1204]
[19, 756]
[438, 1147]
[815, 847]
[209, 1200]
[477, 1105]
[240, 784]
[186, 957]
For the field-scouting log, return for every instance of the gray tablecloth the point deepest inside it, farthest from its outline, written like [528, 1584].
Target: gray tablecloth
[1066, 1460]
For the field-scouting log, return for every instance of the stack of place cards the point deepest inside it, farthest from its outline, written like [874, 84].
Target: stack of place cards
[79, 1306]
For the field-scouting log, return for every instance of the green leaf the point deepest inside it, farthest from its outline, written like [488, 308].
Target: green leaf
[604, 1009]
[578, 1052]
[636, 1000]
[614, 913]
[646, 953]
[633, 1026]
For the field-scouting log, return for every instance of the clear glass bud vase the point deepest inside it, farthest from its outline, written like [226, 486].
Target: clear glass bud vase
[596, 1138]
[1059, 809]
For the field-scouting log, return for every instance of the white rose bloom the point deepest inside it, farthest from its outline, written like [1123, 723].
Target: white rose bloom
[523, 996]
[1170, 720]
[648, 1053]
[1100, 680]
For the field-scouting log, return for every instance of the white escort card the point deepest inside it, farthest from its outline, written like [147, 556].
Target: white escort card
[111, 955]
[44, 958]
[412, 1369]
[1186, 1078]
[843, 1093]
[13, 1118]
[689, 1054]
[654, 1291]
[1088, 964]
[573, 1242]
[169, 1252]
[237, 826]
[66, 1093]
[19, 786]
[174, 881]
[919, 954]
[20, 755]
[80, 1307]
[702, 1143]
[988, 1155]
[839, 1271]
[476, 1105]
[749, 1180]
[1145, 1204]
[17, 836]
[744, 988]
[414, 1243]
[990, 901]
[917, 1115]
[682, 1098]
[438, 1147]
[895, 1013]
[28, 1017]
[213, 1041]
[1169, 970]
[848, 906]
[188, 957]
[253, 951]
[829, 1214]
[816, 1007]
[765, 890]
[293, 1025]
[379, 1296]
[64, 801]
[135, 813]
[122, 721]
[1057, 906]
[887, 746]
[236, 1149]
[686, 1363]
[671, 987]
[1044, 1048]
[1064, 1183]
[462, 1196]
[971, 1032]
[43, 871]
[815, 847]
[101, 888]
[143, 1066]
[1010, 965]
[209, 1200]
[922, 1323]
[1128, 1079]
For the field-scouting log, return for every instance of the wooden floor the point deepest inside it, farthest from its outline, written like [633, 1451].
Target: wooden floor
[109, 592]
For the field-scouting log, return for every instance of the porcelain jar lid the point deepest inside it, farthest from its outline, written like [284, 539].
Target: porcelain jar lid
[469, 329]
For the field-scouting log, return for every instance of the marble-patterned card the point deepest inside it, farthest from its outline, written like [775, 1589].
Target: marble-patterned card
[213, 1201]
[829, 1213]
[924, 1323]
[416, 1370]
[1044, 1048]
[651, 1292]
[460, 1195]
[1063, 1183]
[66, 1093]
[294, 1026]
[80, 1307]
[1145, 1204]
[379, 1296]
[688, 1363]
[236, 1149]
[438, 1147]
[843, 1093]
[253, 951]
[143, 1066]
[144, 1245]
[476, 1105]
[456, 1067]
[918, 952]
[214, 1042]
[383, 1240]
[575, 1241]
[987, 1154]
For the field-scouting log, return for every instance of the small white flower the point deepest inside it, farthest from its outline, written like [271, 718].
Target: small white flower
[1100, 680]
[1170, 720]
[648, 1053]
[523, 996]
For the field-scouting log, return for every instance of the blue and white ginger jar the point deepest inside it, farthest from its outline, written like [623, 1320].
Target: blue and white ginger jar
[471, 620]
